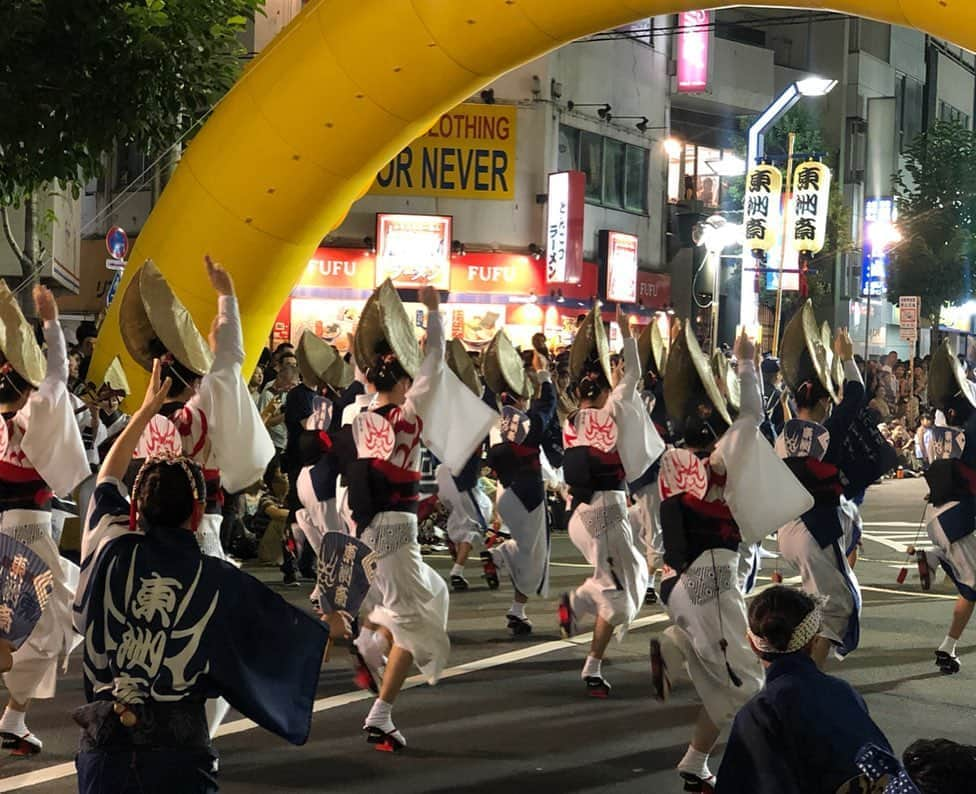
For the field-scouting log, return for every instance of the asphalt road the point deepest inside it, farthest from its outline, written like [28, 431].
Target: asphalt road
[512, 716]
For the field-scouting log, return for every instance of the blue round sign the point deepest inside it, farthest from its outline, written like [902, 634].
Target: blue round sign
[117, 242]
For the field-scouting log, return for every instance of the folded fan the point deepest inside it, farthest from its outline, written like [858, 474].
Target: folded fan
[25, 589]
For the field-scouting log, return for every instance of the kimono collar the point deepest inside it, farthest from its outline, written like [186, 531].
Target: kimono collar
[178, 537]
[790, 663]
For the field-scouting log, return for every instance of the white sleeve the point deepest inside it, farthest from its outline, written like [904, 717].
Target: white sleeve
[455, 420]
[750, 399]
[52, 439]
[229, 338]
[57, 352]
[240, 443]
[851, 372]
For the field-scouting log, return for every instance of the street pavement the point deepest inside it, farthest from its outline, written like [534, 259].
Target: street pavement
[512, 715]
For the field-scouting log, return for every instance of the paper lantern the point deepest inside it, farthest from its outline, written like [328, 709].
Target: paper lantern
[764, 188]
[807, 228]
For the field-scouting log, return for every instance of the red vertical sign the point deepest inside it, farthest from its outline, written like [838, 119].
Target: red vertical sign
[693, 51]
[564, 227]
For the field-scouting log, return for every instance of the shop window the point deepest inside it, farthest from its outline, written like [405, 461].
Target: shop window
[569, 143]
[591, 164]
[614, 158]
[948, 113]
[130, 163]
[635, 180]
[694, 175]
[616, 172]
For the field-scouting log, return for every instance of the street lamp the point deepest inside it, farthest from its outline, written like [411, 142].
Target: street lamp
[716, 234]
[808, 87]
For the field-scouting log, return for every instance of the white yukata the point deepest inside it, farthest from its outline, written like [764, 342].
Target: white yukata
[470, 509]
[522, 505]
[705, 600]
[950, 526]
[825, 570]
[219, 427]
[600, 528]
[41, 446]
[411, 597]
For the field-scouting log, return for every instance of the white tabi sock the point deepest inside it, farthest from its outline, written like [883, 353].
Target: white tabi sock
[457, 570]
[948, 646]
[593, 668]
[14, 722]
[381, 716]
[518, 610]
[695, 762]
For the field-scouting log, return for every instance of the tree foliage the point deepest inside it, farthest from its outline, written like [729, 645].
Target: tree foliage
[936, 195]
[78, 77]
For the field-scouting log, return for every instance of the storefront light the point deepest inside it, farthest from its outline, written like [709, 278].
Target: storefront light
[673, 147]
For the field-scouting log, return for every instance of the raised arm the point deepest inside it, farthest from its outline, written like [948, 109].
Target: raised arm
[57, 353]
[843, 415]
[226, 337]
[751, 397]
[627, 384]
[120, 455]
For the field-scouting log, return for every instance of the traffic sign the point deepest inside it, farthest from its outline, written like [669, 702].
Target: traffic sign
[113, 288]
[117, 243]
[909, 334]
[908, 302]
[909, 318]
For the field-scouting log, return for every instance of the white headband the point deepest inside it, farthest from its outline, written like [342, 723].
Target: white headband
[805, 631]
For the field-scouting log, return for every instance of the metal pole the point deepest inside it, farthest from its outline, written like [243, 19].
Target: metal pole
[716, 285]
[782, 257]
[867, 331]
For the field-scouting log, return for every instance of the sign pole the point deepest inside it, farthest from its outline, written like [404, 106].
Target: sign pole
[786, 220]
[867, 335]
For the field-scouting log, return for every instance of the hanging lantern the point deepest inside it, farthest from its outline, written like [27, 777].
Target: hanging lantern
[807, 228]
[764, 188]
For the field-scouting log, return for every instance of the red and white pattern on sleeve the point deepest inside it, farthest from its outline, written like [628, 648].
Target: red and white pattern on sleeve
[11, 435]
[408, 428]
[682, 471]
[595, 428]
[374, 436]
[166, 438]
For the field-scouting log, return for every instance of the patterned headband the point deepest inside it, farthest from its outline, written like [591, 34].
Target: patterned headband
[187, 466]
[805, 631]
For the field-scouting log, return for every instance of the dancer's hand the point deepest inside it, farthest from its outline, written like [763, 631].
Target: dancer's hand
[157, 392]
[431, 298]
[623, 323]
[220, 279]
[45, 304]
[843, 346]
[339, 623]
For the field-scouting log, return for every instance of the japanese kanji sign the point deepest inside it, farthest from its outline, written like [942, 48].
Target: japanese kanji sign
[564, 227]
[764, 188]
[807, 227]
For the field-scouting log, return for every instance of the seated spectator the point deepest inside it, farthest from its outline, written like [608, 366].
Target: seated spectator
[802, 732]
[880, 404]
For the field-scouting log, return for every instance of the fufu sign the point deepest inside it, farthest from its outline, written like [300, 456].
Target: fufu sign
[468, 153]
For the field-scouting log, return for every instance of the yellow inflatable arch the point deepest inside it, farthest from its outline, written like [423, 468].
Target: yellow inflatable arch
[335, 96]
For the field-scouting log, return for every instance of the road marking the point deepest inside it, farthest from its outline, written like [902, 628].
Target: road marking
[60, 771]
[915, 593]
[899, 540]
[551, 564]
